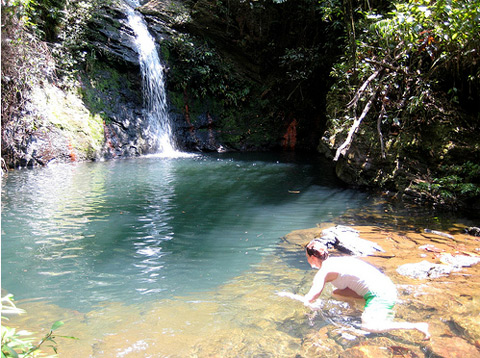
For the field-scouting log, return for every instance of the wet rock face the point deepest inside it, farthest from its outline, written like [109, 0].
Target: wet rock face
[116, 96]
[126, 132]
[56, 127]
[108, 31]
[101, 119]
[200, 136]
[114, 88]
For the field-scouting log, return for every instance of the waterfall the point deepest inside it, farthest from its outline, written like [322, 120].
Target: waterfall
[152, 69]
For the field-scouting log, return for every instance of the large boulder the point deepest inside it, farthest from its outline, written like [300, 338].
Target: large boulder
[347, 240]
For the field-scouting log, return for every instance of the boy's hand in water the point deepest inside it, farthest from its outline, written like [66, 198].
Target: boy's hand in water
[294, 296]
[288, 294]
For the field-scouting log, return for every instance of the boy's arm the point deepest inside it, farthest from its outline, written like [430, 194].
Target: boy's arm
[317, 287]
[313, 294]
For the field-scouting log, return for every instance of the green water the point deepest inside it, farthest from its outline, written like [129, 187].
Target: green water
[158, 257]
[155, 228]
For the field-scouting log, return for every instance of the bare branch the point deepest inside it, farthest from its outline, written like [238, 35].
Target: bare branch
[379, 129]
[342, 150]
[380, 118]
[362, 89]
[386, 65]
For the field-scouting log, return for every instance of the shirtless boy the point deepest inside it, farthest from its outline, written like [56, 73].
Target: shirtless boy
[356, 279]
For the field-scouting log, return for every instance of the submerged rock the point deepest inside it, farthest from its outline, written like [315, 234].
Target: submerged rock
[466, 327]
[319, 344]
[345, 339]
[452, 347]
[366, 351]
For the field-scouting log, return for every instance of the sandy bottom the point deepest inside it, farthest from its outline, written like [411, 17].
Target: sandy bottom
[245, 317]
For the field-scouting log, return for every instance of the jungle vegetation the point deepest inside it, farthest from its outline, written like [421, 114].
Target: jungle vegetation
[389, 88]
[388, 85]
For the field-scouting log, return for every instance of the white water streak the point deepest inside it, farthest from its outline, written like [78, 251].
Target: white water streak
[153, 85]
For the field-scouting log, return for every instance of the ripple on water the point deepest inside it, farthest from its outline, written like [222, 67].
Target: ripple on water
[244, 317]
[231, 272]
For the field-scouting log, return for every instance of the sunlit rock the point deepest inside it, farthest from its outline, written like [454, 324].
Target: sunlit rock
[452, 347]
[424, 270]
[343, 238]
[347, 239]
[366, 351]
[474, 231]
[459, 261]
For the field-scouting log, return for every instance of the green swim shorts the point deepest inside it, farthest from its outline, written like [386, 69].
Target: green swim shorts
[379, 306]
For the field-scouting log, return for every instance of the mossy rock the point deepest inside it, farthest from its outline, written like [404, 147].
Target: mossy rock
[63, 115]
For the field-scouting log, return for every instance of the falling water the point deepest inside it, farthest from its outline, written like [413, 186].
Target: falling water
[153, 83]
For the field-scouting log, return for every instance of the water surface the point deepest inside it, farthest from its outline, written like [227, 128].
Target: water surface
[150, 228]
[158, 257]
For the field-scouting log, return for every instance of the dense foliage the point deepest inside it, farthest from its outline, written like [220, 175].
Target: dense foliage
[258, 74]
[200, 81]
[392, 87]
[409, 86]
[25, 58]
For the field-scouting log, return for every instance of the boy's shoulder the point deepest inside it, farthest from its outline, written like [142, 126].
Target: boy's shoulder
[346, 262]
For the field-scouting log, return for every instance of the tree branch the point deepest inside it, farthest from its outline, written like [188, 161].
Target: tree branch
[360, 91]
[342, 150]
[379, 128]
[385, 65]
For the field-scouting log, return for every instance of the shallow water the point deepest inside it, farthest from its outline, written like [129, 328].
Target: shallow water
[155, 257]
[151, 228]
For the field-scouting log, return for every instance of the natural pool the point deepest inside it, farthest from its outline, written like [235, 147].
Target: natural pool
[181, 257]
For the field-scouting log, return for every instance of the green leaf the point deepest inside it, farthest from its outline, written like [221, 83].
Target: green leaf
[57, 325]
[69, 337]
[9, 351]
[50, 339]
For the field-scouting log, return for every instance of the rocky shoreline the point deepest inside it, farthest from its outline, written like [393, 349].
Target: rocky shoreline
[437, 279]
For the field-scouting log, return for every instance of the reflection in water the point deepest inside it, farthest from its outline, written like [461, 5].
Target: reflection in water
[245, 318]
[180, 258]
[154, 222]
[151, 228]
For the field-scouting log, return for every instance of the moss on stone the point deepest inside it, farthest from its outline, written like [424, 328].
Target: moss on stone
[67, 112]
[103, 87]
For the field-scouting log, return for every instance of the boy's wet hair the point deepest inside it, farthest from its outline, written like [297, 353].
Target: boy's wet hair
[318, 249]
